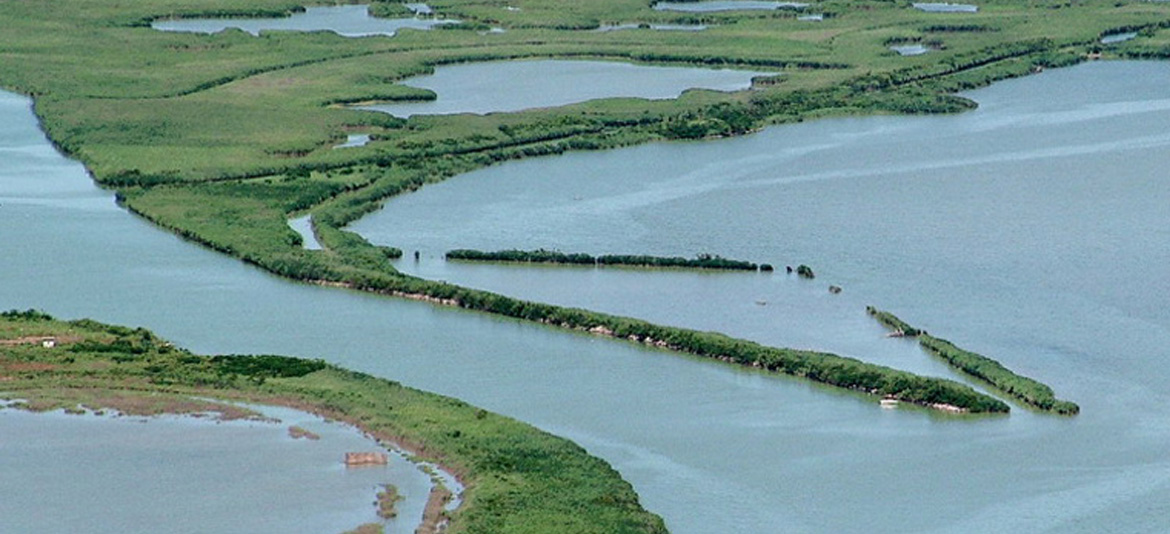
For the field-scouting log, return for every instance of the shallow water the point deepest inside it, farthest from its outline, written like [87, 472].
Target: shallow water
[346, 21]
[910, 50]
[304, 227]
[99, 474]
[516, 85]
[946, 8]
[1118, 37]
[939, 219]
[726, 5]
[354, 140]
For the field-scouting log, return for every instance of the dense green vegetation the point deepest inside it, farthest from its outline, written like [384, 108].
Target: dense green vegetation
[702, 261]
[891, 321]
[220, 138]
[979, 366]
[518, 479]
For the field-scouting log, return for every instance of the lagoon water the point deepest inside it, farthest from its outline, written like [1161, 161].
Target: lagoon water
[1034, 229]
[100, 474]
[346, 21]
[516, 85]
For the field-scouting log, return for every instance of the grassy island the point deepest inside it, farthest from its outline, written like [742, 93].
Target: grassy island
[517, 479]
[701, 261]
[220, 138]
[1022, 388]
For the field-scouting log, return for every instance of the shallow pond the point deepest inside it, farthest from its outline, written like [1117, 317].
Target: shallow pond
[939, 219]
[1118, 37]
[910, 49]
[99, 474]
[354, 140]
[515, 85]
[347, 21]
[930, 7]
[726, 5]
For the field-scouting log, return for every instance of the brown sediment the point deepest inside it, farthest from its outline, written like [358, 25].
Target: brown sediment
[358, 459]
[434, 515]
[27, 367]
[387, 500]
[368, 528]
[435, 518]
[296, 432]
[133, 403]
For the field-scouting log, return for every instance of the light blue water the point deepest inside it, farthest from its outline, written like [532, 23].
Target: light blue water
[346, 21]
[726, 5]
[1118, 37]
[910, 50]
[354, 140]
[304, 227]
[938, 7]
[1034, 230]
[91, 474]
[516, 85]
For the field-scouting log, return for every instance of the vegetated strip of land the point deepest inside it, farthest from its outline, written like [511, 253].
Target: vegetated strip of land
[1026, 390]
[701, 261]
[515, 476]
[221, 137]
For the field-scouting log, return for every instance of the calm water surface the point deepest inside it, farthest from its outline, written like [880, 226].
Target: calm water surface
[515, 85]
[346, 21]
[1034, 230]
[91, 474]
[726, 5]
[934, 7]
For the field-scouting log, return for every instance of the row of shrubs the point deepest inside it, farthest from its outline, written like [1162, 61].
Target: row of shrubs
[701, 261]
[1025, 389]
[820, 367]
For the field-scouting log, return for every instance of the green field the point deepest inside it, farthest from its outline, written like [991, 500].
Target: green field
[517, 479]
[221, 138]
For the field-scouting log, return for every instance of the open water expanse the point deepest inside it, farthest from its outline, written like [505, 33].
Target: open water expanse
[1035, 230]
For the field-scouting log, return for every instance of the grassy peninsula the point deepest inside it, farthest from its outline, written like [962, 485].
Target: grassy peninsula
[517, 479]
[1022, 388]
[220, 138]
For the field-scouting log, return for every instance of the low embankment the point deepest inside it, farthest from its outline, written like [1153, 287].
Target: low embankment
[701, 261]
[1024, 389]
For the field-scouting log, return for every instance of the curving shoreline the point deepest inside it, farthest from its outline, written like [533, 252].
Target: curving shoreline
[485, 452]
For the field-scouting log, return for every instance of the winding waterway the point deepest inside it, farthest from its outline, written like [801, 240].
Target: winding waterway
[1033, 230]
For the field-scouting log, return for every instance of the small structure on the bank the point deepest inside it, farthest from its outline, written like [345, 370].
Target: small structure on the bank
[358, 459]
